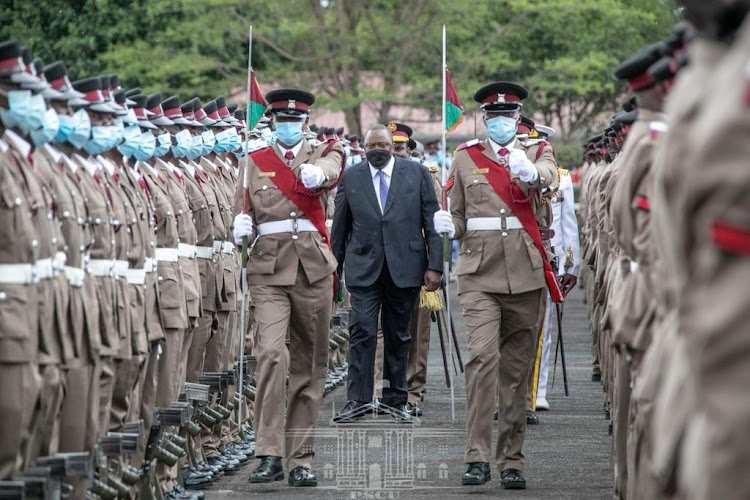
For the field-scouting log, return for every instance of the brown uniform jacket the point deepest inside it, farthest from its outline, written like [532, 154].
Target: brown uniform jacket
[275, 258]
[489, 262]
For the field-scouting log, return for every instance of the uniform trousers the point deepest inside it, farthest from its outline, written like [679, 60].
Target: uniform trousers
[303, 310]
[416, 369]
[501, 330]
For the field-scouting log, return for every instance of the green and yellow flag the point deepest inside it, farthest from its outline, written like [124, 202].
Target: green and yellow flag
[453, 110]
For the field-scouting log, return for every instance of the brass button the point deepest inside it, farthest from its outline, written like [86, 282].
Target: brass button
[80, 220]
[53, 241]
[468, 252]
[3, 296]
[66, 214]
[17, 201]
[81, 248]
[505, 234]
[502, 211]
[293, 214]
[295, 237]
[98, 220]
[475, 181]
[160, 279]
[264, 188]
[34, 243]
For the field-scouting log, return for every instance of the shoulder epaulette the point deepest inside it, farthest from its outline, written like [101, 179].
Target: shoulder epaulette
[469, 144]
[433, 170]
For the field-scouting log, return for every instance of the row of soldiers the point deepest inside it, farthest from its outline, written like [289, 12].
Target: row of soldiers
[120, 289]
[666, 241]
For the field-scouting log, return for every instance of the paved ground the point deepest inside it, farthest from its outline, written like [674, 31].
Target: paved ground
[567, 455]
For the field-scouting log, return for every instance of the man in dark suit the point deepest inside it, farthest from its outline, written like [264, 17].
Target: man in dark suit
[383, 229]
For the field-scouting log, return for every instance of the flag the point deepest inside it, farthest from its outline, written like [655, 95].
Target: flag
[257, 103]
[453, 109]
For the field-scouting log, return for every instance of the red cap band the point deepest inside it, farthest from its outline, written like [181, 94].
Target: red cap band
[174, 112]
[140, 112]
[290, 104]
[215, 116]
[13, 63]
[157, 111]
[640, 82]
[223, 112]
[200, 114]
[94, 96]
[500, 98]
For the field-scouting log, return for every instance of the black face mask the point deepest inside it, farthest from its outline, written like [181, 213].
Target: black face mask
[378, 158]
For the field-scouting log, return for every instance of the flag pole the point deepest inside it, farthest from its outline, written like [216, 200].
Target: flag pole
[446, 242]
[245, 210]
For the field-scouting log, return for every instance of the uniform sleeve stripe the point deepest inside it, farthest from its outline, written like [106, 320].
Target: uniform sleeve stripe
[643, 203]
[449, 184]
[730, 238]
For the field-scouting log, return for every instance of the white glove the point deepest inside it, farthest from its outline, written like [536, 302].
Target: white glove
[243, 226]
[443, 223]
[312, 175]
[521, 166]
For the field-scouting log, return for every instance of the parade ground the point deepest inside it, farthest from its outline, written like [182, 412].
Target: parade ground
[567, 455]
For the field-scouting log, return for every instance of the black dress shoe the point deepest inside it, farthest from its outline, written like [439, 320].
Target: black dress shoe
[400, 413]
[596, 377]
[379, 408]
[195, 480]
[531, 419]
[477, 473]
[301, 476]
[413, 410]
[512, 479]
[268, 471]
[351, 412]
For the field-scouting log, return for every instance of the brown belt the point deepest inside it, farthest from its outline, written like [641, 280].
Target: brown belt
[547, 234]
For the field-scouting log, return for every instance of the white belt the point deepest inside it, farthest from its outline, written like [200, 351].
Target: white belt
[493, 223]
[185, 250]
[286, 226]
[59, 260]
[18, 274]
[149, 265]
[634, 266]
[227, 247]
[204, 252]
[45, 268]
[136, 276]
[100, 267]
[75, 276]
[217, 246]
[121, 268]
[166, 255]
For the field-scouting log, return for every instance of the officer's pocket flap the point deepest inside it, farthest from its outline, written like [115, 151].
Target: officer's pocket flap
[169, 288]
[417, 246]
[15, 311]
[470, 257]
[534, 256]
[263, 257]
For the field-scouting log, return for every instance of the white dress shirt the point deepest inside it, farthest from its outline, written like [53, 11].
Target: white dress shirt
[388, 171]
[497, 147]
[295, 149]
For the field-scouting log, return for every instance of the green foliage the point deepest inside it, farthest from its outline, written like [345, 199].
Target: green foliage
[563, 50]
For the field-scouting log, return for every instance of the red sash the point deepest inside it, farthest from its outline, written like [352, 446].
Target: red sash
[500, 181]
[268, 161]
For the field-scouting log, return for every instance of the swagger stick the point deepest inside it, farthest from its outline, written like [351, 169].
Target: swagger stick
[446, 242]
[245, 210]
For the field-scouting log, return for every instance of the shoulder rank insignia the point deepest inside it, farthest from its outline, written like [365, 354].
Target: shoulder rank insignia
[449, 184]
[731, 238]
[433, 170]
[469, 144]
[562, 171]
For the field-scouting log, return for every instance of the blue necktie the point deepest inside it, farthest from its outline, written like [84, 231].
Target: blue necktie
[383, 190]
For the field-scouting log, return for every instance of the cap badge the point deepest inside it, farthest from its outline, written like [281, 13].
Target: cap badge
[292, 104]
[392, 127]
[500, 97]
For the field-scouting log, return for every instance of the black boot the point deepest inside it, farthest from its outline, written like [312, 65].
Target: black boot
[301, 476]
[269, 470]
[477, 473]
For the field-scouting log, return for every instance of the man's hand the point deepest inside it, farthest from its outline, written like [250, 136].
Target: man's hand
[521, 166]
[432, 280]
[243, 226]
[443, 223]
[567, 283]
[312, 175]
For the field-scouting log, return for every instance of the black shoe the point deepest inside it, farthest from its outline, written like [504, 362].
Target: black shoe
[268, 471]
[531, 419]
[228, 466]
[235, 454]
[596, 377]
[195, 480]
[512, 479]
[497, 413]
[477, 473]
[192, 495]
[400, 413]
[351, 412]
[379, 408]
[301, 476]
[413, 410]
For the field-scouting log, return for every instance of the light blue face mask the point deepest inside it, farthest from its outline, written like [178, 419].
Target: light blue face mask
[289, 133]
[209, 141]
[196, 147]
[25, 111]
[116, 136]
[75, 129]
[101, 139]
[183, 141]
[131, 140]
[240, 152]
[221, 141]
[163, 143]
[48, 130]
[501, 129]
[147, 146]
[234, 141]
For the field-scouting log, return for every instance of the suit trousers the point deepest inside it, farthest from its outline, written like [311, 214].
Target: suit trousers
[416, 369]
[303, 310]
[397, 305]
[501, 330]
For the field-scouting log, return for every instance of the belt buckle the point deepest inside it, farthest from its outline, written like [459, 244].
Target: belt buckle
[295, 227]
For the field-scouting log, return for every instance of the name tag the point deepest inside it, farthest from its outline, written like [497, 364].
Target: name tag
[477, 171]
[266, 174]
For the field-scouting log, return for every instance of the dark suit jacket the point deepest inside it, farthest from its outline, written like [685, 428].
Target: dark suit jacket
[403, 235]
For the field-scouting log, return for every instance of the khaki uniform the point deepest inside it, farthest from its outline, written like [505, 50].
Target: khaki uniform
[502, 288]
[290, 279]
[19, 321]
